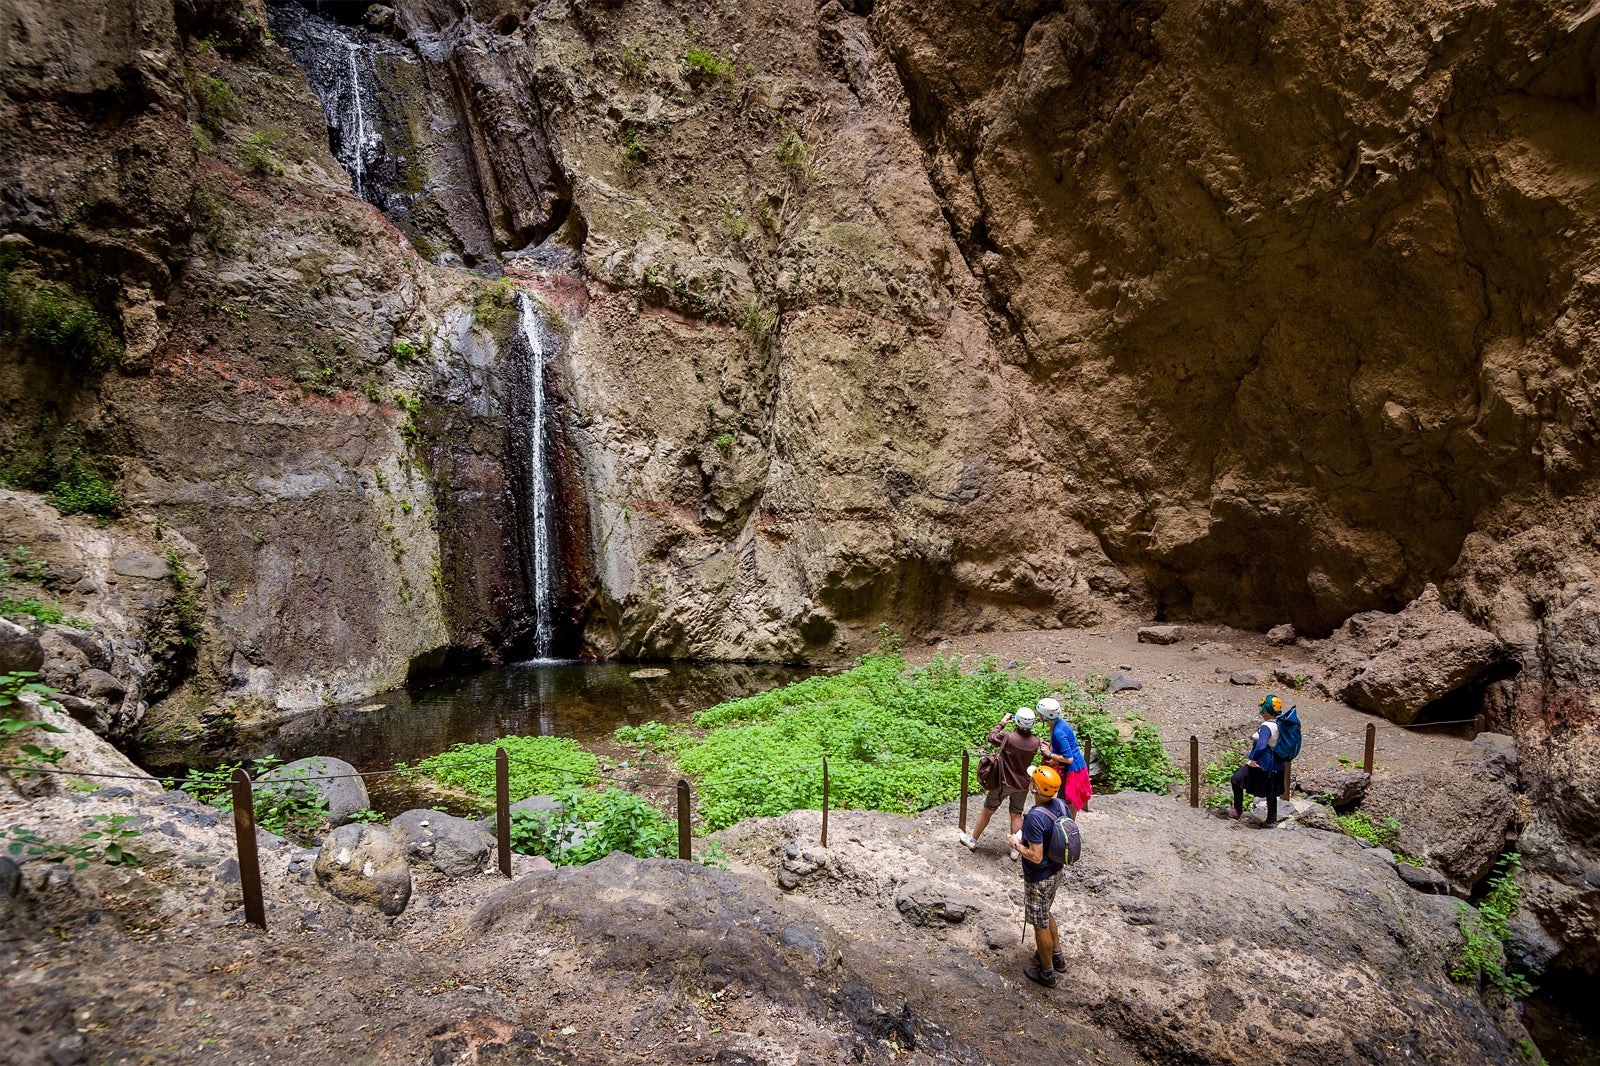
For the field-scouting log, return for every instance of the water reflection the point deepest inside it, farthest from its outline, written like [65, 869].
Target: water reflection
[582, 700]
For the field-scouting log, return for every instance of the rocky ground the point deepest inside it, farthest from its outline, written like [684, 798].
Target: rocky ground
[1193, 938]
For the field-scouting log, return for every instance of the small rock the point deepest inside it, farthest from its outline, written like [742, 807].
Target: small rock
[1297, 675]
[1215, 647]
[1063, 659]
[1160, 634]
[1278, 636]
[99, 685]
[649, 673]
[1319, 816]
[20, 650]
[362, 863]
[1121, 682]
[1423, 879]
[945, 645]
[379, 17]
[10, 879]
[1247, 677]
[1339, 788]
[788, 880]
[1499, 753]
[453, 846]
[148, 567]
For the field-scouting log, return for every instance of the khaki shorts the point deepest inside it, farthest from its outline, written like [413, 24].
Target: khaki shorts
[1019, 799]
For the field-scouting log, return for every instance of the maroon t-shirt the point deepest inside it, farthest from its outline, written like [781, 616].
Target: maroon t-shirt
[1016, 756]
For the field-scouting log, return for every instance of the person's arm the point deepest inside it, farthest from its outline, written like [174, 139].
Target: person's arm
[997, 734]
[1260, 746]
[1034, 853]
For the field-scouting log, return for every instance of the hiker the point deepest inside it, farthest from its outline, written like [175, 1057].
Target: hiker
[1041, 876]
[1017, 749]
[1065, 757]
[1262, 773]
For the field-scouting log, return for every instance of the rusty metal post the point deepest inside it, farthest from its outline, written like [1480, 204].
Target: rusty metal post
[244, 831]
[1372, 741]
[683, 819]
[1479, 725]
[1088, 750]
[1288, 775]
[824, 801]
[966, 759]
[502, 809]
[1194, 770]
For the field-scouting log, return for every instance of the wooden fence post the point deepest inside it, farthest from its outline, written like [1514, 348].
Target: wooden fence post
[244, 831]
[1194, 770]
[1372, 741]
[684, 851]
[966, 759]
[824, 801]
[502, 809]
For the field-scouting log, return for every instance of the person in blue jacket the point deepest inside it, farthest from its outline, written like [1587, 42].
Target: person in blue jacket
[1262, 773]
[1065, 757]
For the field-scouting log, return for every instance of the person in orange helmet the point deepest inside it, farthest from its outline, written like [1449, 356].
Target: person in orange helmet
[1040, 875]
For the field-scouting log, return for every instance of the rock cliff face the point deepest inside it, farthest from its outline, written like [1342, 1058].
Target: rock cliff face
[927, 313]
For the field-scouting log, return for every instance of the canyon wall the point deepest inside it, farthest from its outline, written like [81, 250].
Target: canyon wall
[942, 315]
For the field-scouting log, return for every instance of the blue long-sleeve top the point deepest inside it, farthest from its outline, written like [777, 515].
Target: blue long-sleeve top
[1064, 743]
[1262, 754]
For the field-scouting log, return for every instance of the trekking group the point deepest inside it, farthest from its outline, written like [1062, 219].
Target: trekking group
[1045, 837]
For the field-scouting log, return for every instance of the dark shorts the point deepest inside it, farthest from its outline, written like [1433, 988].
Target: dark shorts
[1019, 799]
[1038, 897]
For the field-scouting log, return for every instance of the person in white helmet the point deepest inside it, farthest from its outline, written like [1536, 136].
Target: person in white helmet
[1063, 755]
[1017, 749]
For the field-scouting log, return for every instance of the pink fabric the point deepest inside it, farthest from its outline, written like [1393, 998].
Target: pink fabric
[1076, 790]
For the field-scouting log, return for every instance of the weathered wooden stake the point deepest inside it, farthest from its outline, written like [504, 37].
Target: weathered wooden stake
[966, 760]
[683, 819]
[1479, 724]
[1088, 750]
[502, 808]
[1194, 770]
[824, 801]
[1372, 742]
[244, 831]
[1288, 775]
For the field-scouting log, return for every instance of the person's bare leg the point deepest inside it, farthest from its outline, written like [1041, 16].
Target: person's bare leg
[1045, 941]
[983, 822]
[1016, 823]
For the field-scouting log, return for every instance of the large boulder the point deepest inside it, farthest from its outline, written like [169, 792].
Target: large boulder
[1338, 788]
[363, 863]
[1455, 817]
[453, 846]
[333, 778]
[19, 649]
[1397, 664]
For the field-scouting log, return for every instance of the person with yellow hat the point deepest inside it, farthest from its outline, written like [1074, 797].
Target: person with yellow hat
[1262, 773]
[1041, 876]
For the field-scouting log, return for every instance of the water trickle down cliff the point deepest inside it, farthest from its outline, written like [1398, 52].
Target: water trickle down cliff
[377, 94]
[540, 561]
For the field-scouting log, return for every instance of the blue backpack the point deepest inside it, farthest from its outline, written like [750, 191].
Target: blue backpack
[1288, 745]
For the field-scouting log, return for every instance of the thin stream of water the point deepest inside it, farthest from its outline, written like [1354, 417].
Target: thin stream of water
[543, 562]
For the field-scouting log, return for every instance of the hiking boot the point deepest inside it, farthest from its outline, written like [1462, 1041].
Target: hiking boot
[1233, 812]
[1059, 962]
[1038, 976]
[969, 841]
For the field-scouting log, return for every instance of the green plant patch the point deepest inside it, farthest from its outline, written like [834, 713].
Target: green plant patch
[1484, 934]
[591, 825]
[893, 738]
[706, 64]
[52, 319]
[1217, 778]
[1384, 834]
[538, 766]
[297, 812]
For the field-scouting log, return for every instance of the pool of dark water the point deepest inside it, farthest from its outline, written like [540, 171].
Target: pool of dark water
[586, 701]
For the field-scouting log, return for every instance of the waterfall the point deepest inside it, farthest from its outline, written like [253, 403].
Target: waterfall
[539, 504]
[353, 149]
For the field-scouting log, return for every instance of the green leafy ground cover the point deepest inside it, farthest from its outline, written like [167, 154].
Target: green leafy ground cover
[538, 766]
[893, 738]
